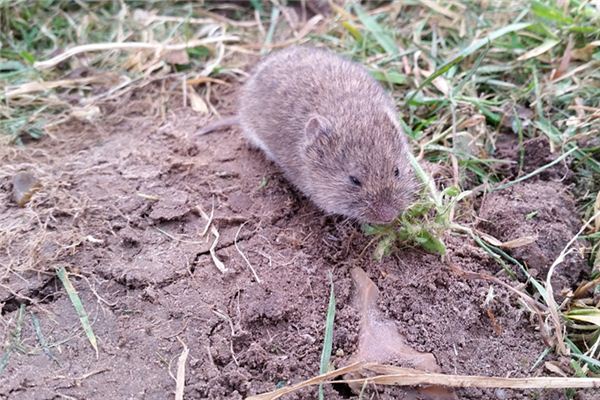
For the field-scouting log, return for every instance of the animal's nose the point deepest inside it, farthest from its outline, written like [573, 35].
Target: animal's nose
[385, 214]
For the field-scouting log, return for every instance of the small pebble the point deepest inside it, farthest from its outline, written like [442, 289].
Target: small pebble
[24, 186]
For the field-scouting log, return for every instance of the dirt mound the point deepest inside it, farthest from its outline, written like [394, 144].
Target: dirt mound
[543, 210]
[123, 206]
[536, 153]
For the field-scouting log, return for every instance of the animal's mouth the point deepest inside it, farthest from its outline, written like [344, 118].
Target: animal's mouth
[384, 215]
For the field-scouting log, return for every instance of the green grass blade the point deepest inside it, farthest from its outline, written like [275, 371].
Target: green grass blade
[427, 181]
[19, 326]
[548, 129]
[269, 38]
[539, 105]
[588, 360]
[496, 256]
[76, 301]
[15, 339]
[550, 13]
[384, 40]
[4, 360]
[353, 31]
[472, 48]
[590, 315]
[384, 247]
[257, 5]
[328, 340]
[393, 77]
[541, 358]
[40, 337]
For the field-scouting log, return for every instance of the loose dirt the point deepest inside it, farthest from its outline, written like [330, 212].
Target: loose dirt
[121, 206]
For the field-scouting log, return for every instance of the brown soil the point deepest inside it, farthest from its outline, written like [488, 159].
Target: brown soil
[119, 208]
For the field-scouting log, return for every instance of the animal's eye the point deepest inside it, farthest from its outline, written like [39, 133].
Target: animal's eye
[396, 172]
[355, 181]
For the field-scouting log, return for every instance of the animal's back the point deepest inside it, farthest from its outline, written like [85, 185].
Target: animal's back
[290, 85]
[333, 131]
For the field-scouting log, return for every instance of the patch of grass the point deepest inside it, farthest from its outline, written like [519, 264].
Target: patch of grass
[421, 225]
[35, 31]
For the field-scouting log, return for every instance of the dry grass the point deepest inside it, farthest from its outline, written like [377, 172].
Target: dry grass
[396, 376]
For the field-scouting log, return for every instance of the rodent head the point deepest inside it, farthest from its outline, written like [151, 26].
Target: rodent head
[358, 167]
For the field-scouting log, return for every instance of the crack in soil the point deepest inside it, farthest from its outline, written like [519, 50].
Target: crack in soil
[37, 294]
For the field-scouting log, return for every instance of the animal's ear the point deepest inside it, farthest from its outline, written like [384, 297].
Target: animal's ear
[316, 127]
[392, 115]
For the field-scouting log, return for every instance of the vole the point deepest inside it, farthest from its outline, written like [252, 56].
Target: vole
[332, 129]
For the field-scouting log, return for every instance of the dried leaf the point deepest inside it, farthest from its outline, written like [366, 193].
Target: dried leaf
[442, 85]
[379, 340]
[475, 120]
[198, 104]
[133, 46]
[276, 394]
[179, 57]
[511, 244]
[586, 287]
[552, 367]
[585, 53]
[180, 381]
[206, 79]
[564, 62]
[441, 10]
[390, 375]
[87, 113]
[541, 49]
[519, 242]
[144, 17]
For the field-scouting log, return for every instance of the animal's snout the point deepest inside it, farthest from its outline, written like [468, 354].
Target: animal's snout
[384, 214]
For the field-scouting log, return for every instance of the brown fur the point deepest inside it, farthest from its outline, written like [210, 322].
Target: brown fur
[323, 119]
